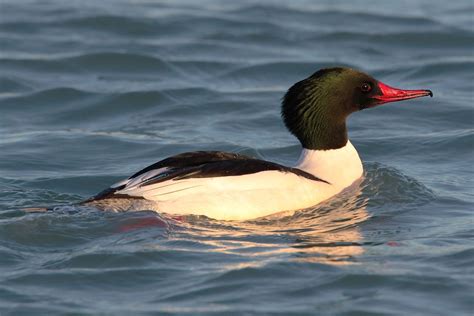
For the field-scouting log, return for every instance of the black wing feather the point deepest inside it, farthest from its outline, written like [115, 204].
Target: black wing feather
[221, 165]
[190, 159]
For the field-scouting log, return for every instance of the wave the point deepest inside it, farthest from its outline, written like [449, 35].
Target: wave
[275, 71]
[13, 85]
[412, 39]
[119, 25]
[111, 62]
[290, 12]
[122, 62]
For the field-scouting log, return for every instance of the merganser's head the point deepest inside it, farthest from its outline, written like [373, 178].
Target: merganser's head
[315, 109]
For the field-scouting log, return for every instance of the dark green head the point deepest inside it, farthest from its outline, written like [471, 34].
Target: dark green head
[315, 109]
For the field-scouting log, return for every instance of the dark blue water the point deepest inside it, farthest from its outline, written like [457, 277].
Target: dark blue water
[90, 92]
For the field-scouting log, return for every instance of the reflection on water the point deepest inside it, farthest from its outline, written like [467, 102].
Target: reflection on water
[328, 233]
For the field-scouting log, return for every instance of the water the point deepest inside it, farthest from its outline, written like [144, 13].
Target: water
[90, 92]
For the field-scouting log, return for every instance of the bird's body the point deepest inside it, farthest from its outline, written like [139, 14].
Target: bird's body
[208, 188]
[236, 187]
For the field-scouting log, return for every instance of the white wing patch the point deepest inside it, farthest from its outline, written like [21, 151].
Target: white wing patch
[120, 183]
[133, 182]
[137, 185]
[146, 176]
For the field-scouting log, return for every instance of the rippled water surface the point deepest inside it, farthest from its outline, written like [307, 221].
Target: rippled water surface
[92, 91]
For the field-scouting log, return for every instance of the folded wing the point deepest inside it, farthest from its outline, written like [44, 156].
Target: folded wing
[181, 173]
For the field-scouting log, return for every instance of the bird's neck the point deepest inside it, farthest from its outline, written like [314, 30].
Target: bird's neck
[340, 167]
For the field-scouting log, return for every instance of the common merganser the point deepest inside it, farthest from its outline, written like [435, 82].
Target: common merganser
[232, 186]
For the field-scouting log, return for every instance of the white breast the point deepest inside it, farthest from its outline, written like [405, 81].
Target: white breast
[340, 167]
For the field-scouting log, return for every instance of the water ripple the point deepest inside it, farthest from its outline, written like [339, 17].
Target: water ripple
[90, 92]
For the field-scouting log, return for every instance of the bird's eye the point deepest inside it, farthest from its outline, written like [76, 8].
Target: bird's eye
[366, 87]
